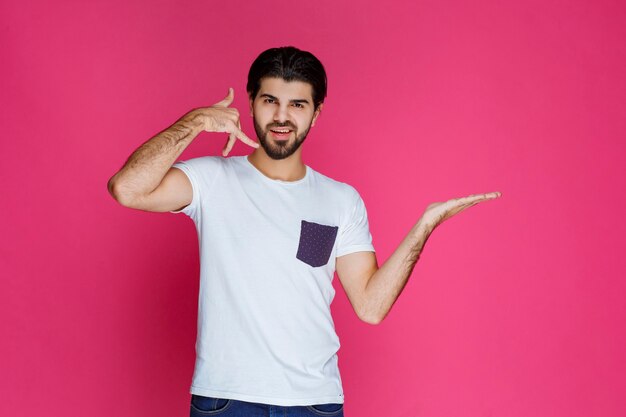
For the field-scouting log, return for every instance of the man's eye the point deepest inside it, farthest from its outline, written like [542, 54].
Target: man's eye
[298, 105]
[269, 100]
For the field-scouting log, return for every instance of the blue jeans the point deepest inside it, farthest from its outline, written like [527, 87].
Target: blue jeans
[210, 406]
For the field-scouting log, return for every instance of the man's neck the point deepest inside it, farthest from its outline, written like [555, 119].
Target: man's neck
[288, 169]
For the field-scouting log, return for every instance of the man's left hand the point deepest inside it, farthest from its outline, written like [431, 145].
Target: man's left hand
[436, 213]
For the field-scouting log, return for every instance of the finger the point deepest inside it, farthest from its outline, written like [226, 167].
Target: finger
[488, 196]
[460, 208]
[466, 206]
[456, 210]
[494, 194]
[229, 144]
[232, 138]
[245, 139]
[479, 197]
[228, 100]
[456, 204]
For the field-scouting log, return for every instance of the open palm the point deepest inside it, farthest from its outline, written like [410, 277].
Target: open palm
[436, 213]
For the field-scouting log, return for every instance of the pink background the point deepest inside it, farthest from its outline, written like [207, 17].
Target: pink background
[517, 306]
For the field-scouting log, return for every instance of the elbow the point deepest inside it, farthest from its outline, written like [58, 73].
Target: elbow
[118, 193]
[112, 188]
[370, 318]
[372, 321]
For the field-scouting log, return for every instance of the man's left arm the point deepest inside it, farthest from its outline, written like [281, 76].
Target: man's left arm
[372, 291]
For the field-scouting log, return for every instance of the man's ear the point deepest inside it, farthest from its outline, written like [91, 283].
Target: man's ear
[316, 114]
[251, 106]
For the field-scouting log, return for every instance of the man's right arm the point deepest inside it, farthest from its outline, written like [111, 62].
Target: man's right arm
[147, 180]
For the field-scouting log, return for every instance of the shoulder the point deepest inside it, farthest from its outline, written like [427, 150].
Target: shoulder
[203, 161]
[338, 189]
[203, 164]
[202, 170]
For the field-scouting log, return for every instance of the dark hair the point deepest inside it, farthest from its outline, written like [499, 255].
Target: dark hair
[290, 64]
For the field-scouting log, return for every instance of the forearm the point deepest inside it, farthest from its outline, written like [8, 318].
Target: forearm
[385, 286]
[146, 167]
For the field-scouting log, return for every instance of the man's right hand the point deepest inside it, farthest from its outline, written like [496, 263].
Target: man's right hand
[221, 118]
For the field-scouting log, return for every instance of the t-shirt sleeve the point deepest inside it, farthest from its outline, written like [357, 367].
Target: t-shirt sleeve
[355, 235]
[201, 172]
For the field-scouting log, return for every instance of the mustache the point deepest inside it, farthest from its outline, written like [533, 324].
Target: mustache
[289, 125]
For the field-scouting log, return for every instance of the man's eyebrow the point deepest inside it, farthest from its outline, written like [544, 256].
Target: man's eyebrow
[293, 101]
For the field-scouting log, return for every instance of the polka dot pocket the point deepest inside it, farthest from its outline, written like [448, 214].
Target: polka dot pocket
[316, 243]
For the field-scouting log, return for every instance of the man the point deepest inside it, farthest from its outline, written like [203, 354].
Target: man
[272, 232]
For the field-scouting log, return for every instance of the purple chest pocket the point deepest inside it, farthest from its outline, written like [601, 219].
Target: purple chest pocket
[316, 243]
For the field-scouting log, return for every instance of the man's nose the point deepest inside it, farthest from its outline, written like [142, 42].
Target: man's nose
[281, 115]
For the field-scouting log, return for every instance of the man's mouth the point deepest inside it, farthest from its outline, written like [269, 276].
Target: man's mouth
[281, 133]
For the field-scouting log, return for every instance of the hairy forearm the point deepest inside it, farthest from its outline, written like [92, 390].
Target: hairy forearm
[385, 286]
[146, 167]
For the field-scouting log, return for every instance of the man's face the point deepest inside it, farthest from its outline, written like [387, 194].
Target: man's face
[283, 106]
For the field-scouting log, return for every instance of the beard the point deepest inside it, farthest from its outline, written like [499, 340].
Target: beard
[279, 149]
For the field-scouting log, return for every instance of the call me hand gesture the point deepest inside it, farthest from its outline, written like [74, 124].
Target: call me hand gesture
[221, 118]
[147, 180]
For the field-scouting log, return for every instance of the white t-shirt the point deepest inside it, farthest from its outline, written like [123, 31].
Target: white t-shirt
[267, 261]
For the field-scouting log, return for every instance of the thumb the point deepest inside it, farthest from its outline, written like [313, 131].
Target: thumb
[227, 101]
